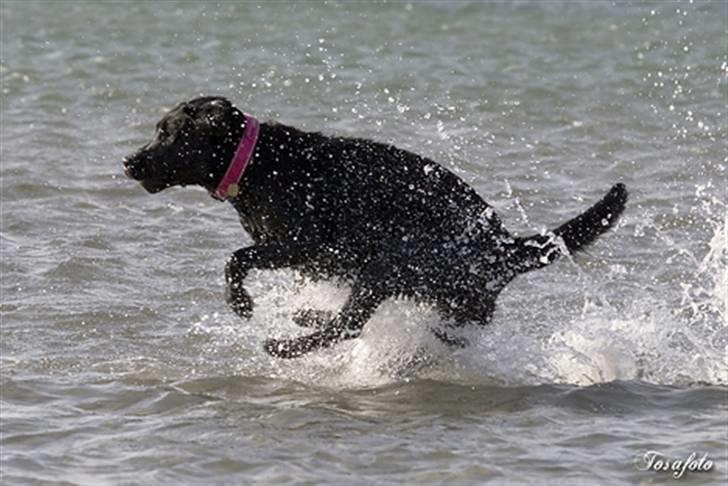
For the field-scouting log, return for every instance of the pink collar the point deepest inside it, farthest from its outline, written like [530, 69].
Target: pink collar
[229, 186]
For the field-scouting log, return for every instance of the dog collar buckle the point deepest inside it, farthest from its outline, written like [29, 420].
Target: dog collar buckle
[233, 190]
[229, 186]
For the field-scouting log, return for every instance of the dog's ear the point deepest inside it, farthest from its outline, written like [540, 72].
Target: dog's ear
[215, 112]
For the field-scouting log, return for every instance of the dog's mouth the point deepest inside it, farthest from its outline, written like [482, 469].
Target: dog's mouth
[151, 184]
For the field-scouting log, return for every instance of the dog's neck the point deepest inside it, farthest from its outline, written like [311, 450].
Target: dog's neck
[228, 186]
[277, 146]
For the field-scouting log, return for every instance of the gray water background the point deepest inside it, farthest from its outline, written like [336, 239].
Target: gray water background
[120, 363]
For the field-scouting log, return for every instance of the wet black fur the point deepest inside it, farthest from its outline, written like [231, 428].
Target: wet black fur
[390, 222]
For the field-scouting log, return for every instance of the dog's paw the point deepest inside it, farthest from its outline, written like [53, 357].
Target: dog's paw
[244, 310]
[281, 348]
[293, 348]
[312, 318]
[241, 303]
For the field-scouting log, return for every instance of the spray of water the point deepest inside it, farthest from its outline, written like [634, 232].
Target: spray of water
[652, 337]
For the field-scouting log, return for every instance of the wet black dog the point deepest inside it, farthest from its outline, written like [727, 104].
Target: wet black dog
[390, 222]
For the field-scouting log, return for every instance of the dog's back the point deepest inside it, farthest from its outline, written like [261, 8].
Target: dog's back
[354, 190]
[365, 197]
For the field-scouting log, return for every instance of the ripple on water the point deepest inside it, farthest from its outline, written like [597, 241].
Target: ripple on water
[120, 362]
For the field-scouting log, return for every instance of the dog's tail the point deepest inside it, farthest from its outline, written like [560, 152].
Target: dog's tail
[540, 250]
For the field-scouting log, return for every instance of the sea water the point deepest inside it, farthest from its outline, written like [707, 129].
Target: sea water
[121, 364]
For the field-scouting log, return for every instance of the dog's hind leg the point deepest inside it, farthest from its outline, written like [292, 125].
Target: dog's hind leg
[265, 256]
[469, 307]
[447, 338]
[348, 324]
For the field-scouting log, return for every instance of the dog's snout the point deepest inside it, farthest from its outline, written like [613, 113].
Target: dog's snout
[132, 167]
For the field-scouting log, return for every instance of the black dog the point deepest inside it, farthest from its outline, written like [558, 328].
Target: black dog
[388, 221]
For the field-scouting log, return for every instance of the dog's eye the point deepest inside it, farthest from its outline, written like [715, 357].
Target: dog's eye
[163, 131]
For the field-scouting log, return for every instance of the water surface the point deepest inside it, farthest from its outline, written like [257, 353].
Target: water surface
[120, 363]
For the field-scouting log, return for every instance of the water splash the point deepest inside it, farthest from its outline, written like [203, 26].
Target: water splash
[651, 338]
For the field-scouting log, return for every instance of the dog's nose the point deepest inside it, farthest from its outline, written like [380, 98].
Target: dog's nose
[131, 169]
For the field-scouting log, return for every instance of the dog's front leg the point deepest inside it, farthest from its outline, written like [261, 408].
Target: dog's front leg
[348, 324]
[266, 256]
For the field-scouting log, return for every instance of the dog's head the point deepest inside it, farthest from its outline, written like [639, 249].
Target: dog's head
[192, 144]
